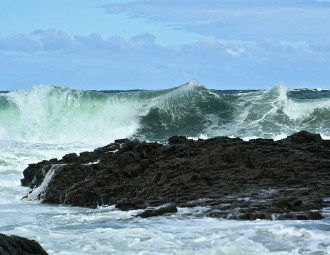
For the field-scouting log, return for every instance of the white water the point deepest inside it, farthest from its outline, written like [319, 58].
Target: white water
[60, 115]
[71, 231]
[49, 114]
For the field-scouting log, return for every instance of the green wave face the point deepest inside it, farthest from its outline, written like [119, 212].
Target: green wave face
[60, 115]
[187, 110]
[56, 115]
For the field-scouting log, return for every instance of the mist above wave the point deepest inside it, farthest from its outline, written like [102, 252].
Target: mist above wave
[51, 114]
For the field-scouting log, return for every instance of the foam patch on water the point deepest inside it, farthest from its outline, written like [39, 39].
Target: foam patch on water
[11, 190]
[109, 231]
[15, 156]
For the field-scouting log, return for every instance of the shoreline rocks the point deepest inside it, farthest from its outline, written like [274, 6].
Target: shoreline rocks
[234, 179]
[15, 245]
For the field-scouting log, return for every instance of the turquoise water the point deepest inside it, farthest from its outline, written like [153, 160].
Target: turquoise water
[61, 115]
[46, 121]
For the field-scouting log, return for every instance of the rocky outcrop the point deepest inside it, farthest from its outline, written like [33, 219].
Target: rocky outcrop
[234, 179]
[15, 245]
[169, 208]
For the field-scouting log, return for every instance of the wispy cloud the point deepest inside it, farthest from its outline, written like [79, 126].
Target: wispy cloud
[294, 20]
[19, 43]
[52, 40]
[94, 61]
[239, 43]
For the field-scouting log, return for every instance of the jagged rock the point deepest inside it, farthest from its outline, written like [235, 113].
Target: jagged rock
[158, 211]
[177, 139]
[71, 157]
[15, 245]
[236, 179]
[127, 204]
[303, 137]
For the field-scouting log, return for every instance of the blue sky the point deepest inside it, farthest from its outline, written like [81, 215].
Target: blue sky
[154, 44]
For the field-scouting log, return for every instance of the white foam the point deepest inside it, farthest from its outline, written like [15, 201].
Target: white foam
[15, 156]
[38, 194]
[92, 163]
[325, 137]
[60, 115]
[107, 230]
[295, 109]
[201, 136]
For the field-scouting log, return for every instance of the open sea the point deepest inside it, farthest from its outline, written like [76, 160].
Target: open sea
[46, 121]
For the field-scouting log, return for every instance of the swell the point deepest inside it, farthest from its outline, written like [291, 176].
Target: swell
[270, 113]
[52, 114]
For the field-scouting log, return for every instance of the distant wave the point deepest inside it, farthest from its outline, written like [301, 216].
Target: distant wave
[52, 114]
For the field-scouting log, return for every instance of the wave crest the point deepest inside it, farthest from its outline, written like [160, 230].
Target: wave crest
[52, 114]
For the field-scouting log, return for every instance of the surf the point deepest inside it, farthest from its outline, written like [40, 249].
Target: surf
[55, 115]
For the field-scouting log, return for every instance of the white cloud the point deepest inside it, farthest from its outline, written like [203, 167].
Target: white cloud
[227, 44]
[93, 61]
[144, 39]
[235, 52]
[294, 20]
[18, 43]
[52, 39]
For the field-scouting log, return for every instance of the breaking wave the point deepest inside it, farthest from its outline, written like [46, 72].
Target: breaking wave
[50, 114]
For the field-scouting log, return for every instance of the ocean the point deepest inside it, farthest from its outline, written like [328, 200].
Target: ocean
[46, 122]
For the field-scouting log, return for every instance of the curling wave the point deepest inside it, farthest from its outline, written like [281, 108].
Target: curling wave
[52, 114]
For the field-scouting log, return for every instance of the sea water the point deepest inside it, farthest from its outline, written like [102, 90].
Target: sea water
[44, 122]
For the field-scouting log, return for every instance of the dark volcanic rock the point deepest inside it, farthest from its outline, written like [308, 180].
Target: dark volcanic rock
[15, 245]
[303, 137]
[264, 179]
[158, 211]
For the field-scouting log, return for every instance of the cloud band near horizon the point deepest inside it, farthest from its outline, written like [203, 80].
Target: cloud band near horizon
[238, 44]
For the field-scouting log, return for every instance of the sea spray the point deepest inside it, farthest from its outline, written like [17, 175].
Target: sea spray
[47, 121]
[58, 115]
[62, 115]
[38, 193]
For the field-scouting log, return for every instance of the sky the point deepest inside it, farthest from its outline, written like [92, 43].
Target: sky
[157, 44]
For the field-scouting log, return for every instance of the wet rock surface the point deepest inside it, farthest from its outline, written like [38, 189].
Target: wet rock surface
[15, 245]
[234, 179]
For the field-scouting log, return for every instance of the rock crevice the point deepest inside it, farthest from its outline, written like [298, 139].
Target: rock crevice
[235, 179]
